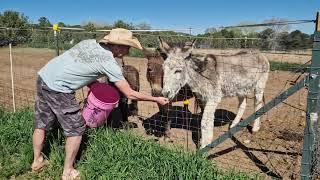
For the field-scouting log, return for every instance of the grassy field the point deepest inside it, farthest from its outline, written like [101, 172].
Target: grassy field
[105, 154]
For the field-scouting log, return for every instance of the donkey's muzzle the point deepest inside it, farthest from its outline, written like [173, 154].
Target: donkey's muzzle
[165, 93]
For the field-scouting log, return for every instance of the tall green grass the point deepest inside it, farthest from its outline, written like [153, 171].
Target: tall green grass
[15, 142]
[284, 66]
[105, 154]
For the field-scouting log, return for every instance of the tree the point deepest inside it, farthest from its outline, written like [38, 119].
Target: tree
[265, 38]
[210, 30]
[61, 24]
[284, 41]
[299, 40]
[277, 28]
[143, 26]
[13, 19]
[90, 26]
[44, 22]
[122, 24]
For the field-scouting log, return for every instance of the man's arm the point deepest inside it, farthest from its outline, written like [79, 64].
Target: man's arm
[125, 88]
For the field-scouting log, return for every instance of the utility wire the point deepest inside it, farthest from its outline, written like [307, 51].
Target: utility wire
[271, 23]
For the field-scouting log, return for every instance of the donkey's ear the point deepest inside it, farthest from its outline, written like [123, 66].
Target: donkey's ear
[163, 46]
[193, 43]
[162, 54]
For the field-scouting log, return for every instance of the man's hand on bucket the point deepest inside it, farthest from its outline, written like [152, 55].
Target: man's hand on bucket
[162, 100]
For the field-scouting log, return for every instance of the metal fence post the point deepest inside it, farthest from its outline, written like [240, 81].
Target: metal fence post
[315, 172]
[313, 91]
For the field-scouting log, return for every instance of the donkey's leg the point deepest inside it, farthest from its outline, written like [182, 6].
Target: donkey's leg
[241, 109]
[258, 104]
[196, 130]
[133, 108]
[201, 104]
[207, 122]
[258, 100]
[165, 119]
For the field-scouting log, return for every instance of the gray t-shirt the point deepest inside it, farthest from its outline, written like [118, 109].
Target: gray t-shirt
[79, 66]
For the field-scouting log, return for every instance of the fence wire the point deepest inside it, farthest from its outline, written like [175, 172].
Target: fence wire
[274, 151]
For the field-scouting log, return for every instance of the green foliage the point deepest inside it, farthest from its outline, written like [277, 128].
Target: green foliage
[61, 24]
[105, 154]
[42, 39]
[281, 66]
[14, 19]
[90, 27]
[44, 22]
[122, 24]
[15, 142]
[135, 53]
[297, 40]
[267, 39]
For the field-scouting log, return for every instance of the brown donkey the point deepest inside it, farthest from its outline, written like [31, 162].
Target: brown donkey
[132, 76]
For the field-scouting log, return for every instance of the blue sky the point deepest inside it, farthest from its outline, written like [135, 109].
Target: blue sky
[168, 14]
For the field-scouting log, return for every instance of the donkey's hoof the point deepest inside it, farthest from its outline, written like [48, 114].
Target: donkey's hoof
[168, 140]
[232, 125]
[167, 135]
[253, 129]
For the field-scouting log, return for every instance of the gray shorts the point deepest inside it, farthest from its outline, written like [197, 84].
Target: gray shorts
[51, 105]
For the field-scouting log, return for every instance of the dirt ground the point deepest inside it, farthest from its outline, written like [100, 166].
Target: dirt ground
[274, 151]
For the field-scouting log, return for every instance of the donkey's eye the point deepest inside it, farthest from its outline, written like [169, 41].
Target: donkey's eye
[188, 56]
[177, 71]
[149, 69]
[164, 56]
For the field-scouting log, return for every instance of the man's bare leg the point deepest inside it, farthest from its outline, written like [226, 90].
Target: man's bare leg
[71, 150]
[38, 142]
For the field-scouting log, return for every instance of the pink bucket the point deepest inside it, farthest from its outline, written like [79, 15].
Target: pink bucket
[102, 99]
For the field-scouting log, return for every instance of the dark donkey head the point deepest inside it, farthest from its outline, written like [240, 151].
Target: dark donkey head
[154, 69]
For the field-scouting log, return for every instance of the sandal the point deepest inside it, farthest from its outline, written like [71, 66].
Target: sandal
[72, 175]
[38, 167]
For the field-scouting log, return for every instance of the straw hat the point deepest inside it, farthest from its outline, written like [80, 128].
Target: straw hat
[122, 37]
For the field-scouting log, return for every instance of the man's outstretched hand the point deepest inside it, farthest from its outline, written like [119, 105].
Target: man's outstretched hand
[162, 100]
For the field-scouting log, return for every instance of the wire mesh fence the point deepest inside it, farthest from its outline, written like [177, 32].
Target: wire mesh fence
[274, 151]
[316, 168]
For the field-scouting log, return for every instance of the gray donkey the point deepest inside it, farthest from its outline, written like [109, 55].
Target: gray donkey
[212, 77]
[155, 78]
